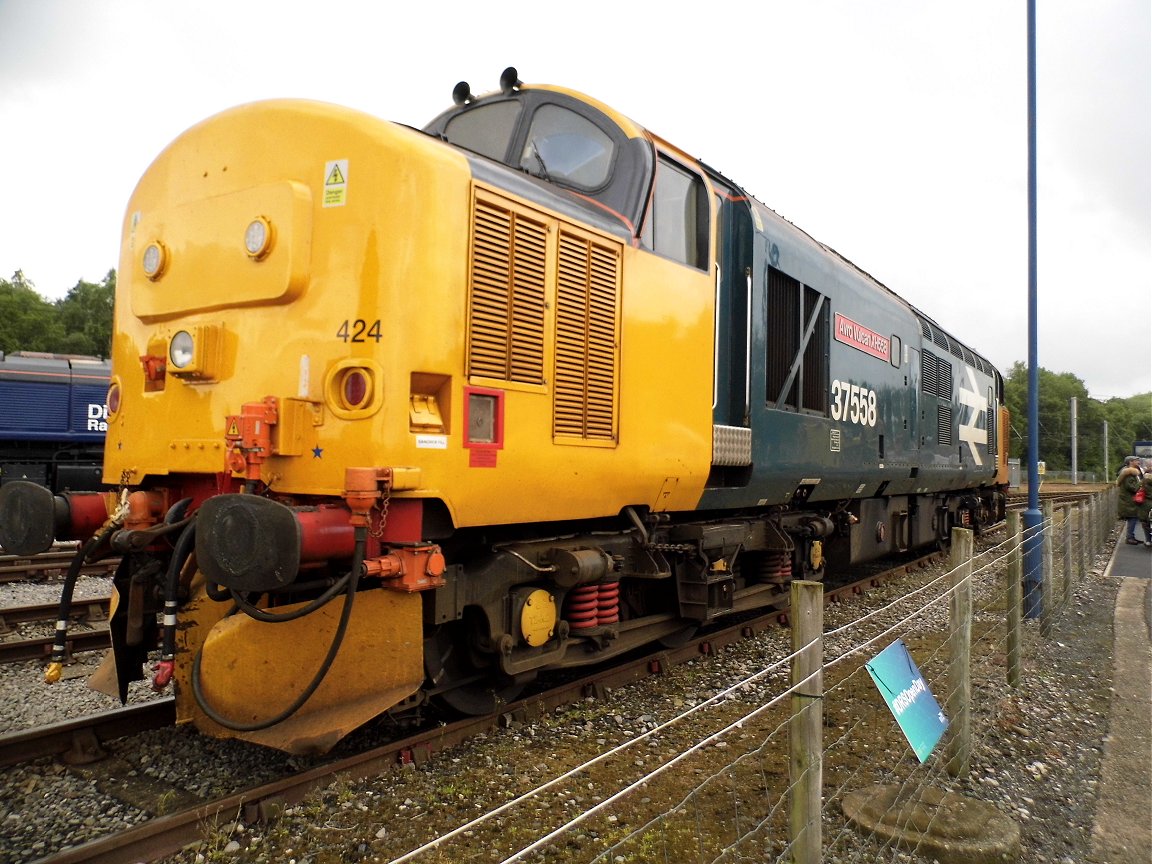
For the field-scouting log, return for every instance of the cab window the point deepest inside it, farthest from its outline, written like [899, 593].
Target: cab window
[486, 129]
[566, 148]
[677, 222]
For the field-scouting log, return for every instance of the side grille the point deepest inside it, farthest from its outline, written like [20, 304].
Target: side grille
[944, 424]
[530, 273]
[928, 373]
[587, 297]
[943, 379]
[506, 321]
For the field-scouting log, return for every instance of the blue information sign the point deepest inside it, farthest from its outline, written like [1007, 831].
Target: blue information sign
[913, 705]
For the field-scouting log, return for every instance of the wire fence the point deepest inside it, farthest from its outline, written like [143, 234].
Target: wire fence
[768, 769]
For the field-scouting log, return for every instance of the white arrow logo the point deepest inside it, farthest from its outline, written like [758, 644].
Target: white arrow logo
[970, 432]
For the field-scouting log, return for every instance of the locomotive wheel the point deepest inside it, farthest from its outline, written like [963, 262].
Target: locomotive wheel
[465, 680]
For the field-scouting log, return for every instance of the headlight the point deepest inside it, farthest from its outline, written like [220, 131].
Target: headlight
[181, 349]
[155, 260]
[258, 238]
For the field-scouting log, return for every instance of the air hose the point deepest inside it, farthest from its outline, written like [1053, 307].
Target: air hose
[60, 643]
[167, 666]
[352, 581]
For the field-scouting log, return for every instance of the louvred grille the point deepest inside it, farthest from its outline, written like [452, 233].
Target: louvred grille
[586, 338]
[506, 327]
[514, 278]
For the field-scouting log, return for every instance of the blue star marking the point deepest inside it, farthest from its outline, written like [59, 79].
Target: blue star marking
[317, 452]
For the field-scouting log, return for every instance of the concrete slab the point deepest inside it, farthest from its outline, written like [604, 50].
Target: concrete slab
[949, 827]
[1122, 832]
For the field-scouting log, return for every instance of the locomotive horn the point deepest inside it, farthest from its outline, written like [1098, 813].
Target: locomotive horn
[462, 93]
[508, 81]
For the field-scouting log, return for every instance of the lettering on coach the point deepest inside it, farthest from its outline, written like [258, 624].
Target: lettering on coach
[97, 417]
[861, 338]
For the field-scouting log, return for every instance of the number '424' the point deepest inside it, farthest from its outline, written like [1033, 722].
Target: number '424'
[360, 331]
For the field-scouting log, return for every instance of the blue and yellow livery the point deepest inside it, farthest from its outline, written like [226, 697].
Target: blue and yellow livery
[401, 418]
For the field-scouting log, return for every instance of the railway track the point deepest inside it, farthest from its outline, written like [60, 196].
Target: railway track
[14, 647]
[80, 741]
[50, 565]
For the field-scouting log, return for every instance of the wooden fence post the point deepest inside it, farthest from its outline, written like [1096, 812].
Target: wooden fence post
[959, 700]
[1082, 523]
[1014, 599]
[806, 767]
[1046, 592]
[1066, 513]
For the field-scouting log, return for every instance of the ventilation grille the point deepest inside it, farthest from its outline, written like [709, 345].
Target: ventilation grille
[587, 295]
[928, 373]
[935, 375]
[944, 424]
[934, 334]
[990, 424]
[506, 323]
[944, 379]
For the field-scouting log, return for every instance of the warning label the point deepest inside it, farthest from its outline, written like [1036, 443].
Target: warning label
[336, 183]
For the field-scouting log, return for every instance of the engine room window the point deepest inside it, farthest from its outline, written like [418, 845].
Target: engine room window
[486, 129]
[677, 221]
[798, 345]
[564, 147]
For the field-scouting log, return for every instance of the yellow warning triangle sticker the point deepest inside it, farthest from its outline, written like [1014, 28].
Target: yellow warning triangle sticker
[335, 177]
[233, 428]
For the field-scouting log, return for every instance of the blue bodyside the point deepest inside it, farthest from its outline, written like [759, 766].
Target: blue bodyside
[52, 399]
[916, 439]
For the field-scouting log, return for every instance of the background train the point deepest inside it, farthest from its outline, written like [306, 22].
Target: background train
[52, 419]
[404, 417]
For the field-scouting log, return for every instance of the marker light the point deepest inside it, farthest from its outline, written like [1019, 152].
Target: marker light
[181, 349]
[355, 389]
[258, 238]
[155, 260]
[113, 399]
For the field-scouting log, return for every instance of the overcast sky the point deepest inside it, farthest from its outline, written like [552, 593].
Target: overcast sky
[894, 130]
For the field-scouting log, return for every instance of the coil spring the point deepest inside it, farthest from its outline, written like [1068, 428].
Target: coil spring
[581, 607]
[590, 606]
[608, 606]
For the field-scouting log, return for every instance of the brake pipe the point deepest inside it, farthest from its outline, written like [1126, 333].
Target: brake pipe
[167, 665]
[60, 642]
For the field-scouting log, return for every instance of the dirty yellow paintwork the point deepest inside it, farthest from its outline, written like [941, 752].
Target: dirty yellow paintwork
[251, 671]
[387, 265]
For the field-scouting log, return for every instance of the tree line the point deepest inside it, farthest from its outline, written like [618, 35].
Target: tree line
[81, 323]
[1128, 419]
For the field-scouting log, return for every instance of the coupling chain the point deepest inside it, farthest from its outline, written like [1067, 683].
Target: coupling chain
[677, 548]
[376, 529]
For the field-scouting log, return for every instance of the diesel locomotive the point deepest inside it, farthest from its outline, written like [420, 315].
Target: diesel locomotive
[400, 418]
[52, 419]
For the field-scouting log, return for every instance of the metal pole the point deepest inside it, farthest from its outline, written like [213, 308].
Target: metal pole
[1107, 461]
[1033, 563]
[1075, 441]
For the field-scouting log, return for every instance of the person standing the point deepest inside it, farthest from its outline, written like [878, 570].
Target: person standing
[1129, 483]
[1144, 508]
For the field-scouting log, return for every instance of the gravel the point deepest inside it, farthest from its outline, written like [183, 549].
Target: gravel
[1036, 757]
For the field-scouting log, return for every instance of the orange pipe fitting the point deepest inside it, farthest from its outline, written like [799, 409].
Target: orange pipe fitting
[361, 493]
[145, 508]
[409, 568]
